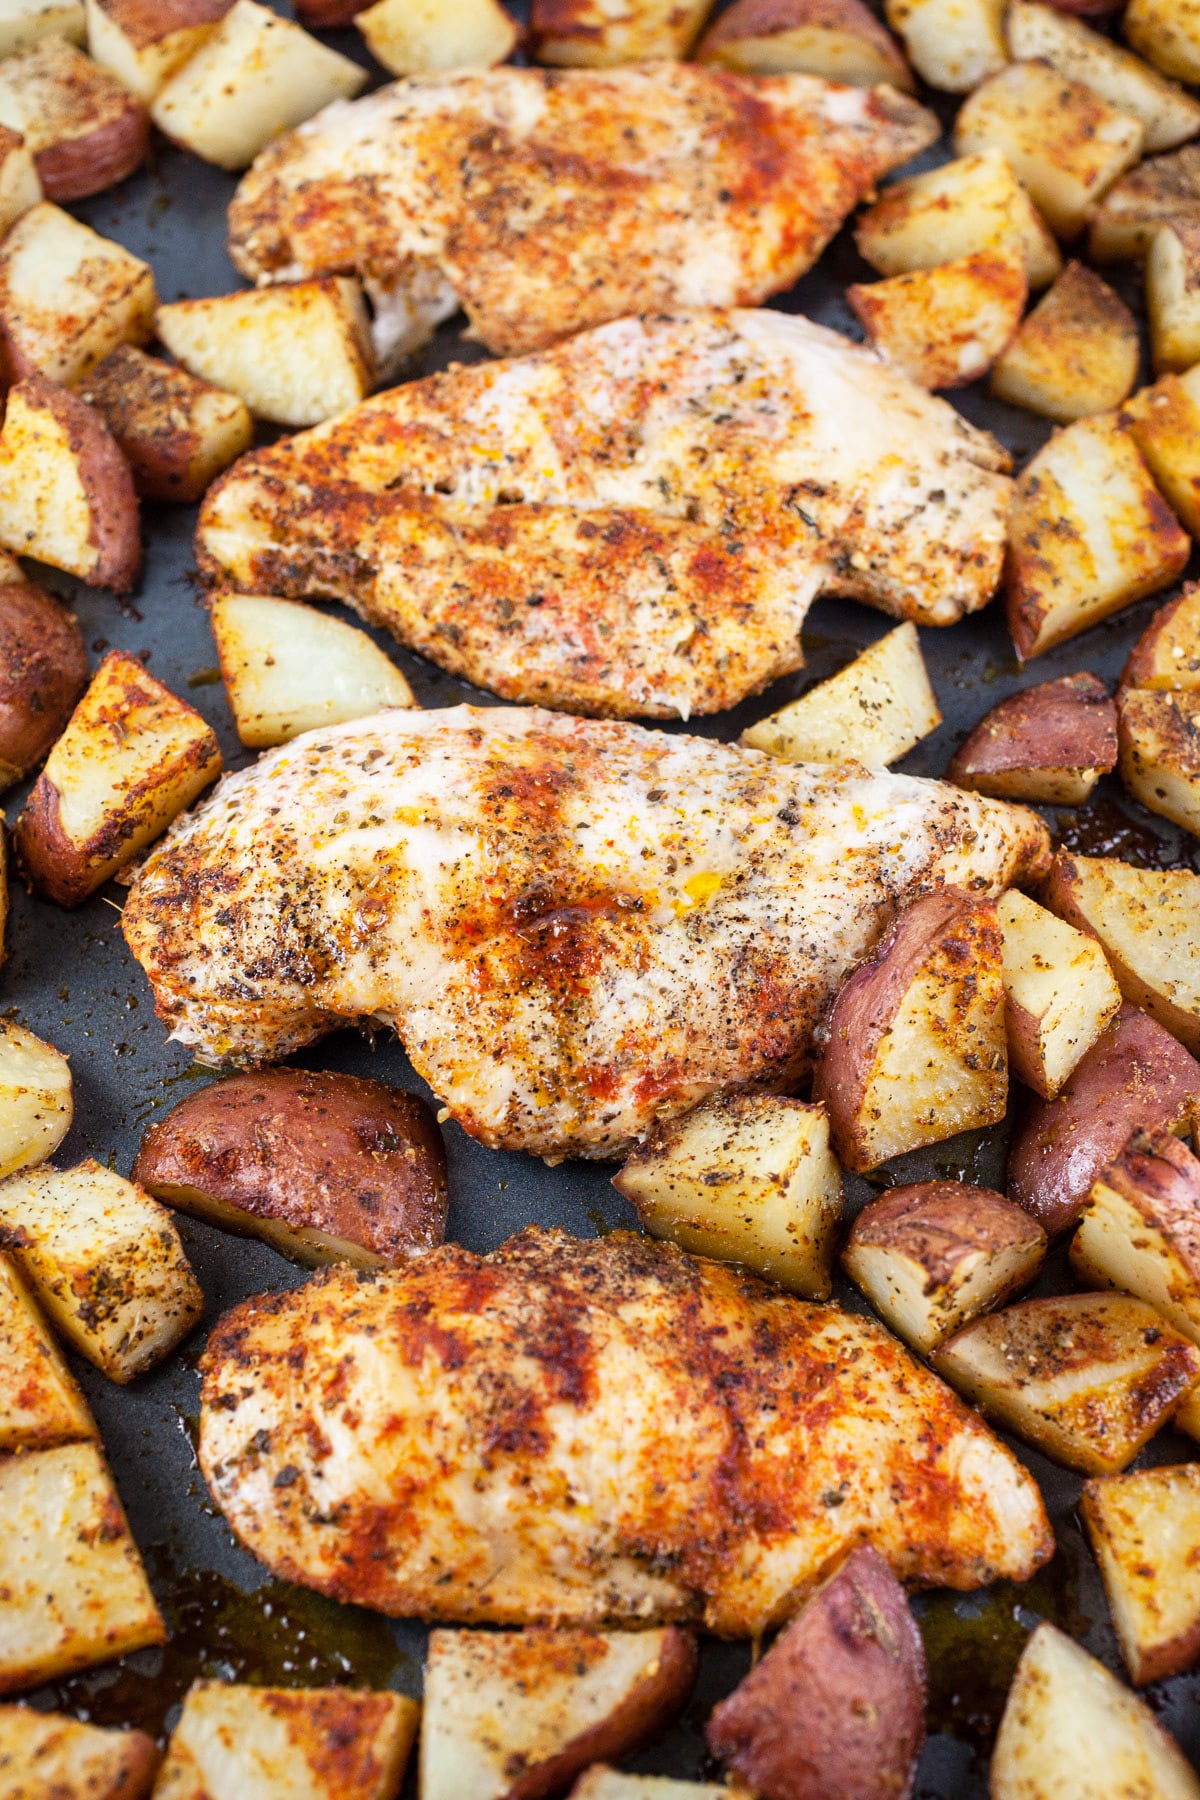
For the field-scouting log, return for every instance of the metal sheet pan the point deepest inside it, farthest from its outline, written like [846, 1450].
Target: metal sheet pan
[71, 979]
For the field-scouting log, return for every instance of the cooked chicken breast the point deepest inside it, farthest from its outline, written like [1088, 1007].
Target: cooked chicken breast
[602, 1432]
[635, 522]
[544, 201]
[575, 927]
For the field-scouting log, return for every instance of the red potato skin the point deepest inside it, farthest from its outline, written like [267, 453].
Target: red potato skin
[115, 521]
[1135, 1076]
[937, 1223]
[765, 18]
[327, 15]
[1067, 724]
[97, 159]
[43, 671]
[836, 1708]
[147, 22]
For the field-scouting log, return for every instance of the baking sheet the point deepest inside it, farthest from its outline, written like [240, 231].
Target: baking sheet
[71, 979]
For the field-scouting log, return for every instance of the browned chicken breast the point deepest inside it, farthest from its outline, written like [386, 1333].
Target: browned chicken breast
[597, 1432]
[575, 927]
[544, 201]
[633, 523]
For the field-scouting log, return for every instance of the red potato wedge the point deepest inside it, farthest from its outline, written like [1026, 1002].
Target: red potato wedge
[43, 671]
[410, 37]
[1144, 1528]
[1140, 1230]
[1059, 993]
[40, 1401]
[518, 1715]
[1049, 744]
[599, 35]
[1167, 34]
[1167, 655]
[68, 296]
[325, 1167]
[1167, 187]
[36, 1100]
[20, 187]
[85, 130]
[973, 203]
[176, 432]
[836, 1708]
[1173, 295]
[840, 40]
[933, 1256]
[1164, 423]
[952, 44]
[23, 22]
[1158, 737]
[916, 1048]
[47, 1756]
[66, 494]
[1136, 1076]
[143, 42]
[945, 326]
[873, 711]
[1075, 355]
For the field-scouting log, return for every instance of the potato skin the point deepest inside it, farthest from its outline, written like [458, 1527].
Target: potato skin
[1135, 1076]
[355, 1159]
[43, 671]
[1059, 728]
[79, 166]
[114, 522]
[766, 18]
[936, 1222]
[836, 1708]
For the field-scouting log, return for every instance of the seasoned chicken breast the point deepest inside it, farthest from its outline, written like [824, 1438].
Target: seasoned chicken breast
[544, 201]
[575, 927]
[603, 1432]
[635, 522]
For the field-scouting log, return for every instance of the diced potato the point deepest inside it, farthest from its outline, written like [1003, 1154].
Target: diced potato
[974, 203]
[25, 22]
[1173, 294]
[176, 432]
[1088, 533]
[746, 1178]
[1168, 114]
[1140, 1230]
[932, 1257]
[840, 40]
[106, 1261]
[86, 132]
[257, 75]
[296, 353]
[68, 296]
[952, 44]
[288, 668]
[233, 1741]
[20, 187]
[144, 45]
[1085, 1378]
[1165, 187]
[1048, 744]
[1159, 735]
[1145, 1530]
[410, 36]
[1076, 354]
[1167, 655]
[40, 1401]
[1164, 423]
[1071, 1728]
[1148, 922]
[873, 711]
[524, 1711]
[75, 1591]
[601, 1783]
[36, 1100]
[1065, 144]
[43, 671]
[131, 758]
[1166, 33]
[945, 326]
[599, 34]
[1059, 993]
[47, 1756]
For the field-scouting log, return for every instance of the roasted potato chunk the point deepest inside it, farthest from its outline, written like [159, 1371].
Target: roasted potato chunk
[873, 711]
[1065, 144]
[40, 1401]
[1140, 1230]
[1088, 533]
[296, 353]
[836, 1707]
[840, 40]
[279, 1743]
[47, 1756]
[176, 432]
[601, 1783]
[1159, 738]
[1144, 1527]
[593, 34]
[144, 45]
[24, 22]
[916, 1049]
[932, 1257]
[945, 326]
[131, 758]
[1164, 187]
[952, 44]
[1167, 655]
[1049, 744]
[43, 671]
[1075, 355]
[20, 187]
[66, 494]
[974, 203]
[106, 1262]
[515, 1715]
[324, 1167]
[1059, 993]
[1164, 423]
[68, 296]
[1135, 1075]
[36, 1100]
[1173, 294]
[410, 36]
[75, 1591]
[1169, 116]
[1166, 33]
[257, 75]
[85, 131]
[289, 668]
[1071, 1728]
[745, 1178]
[1085, 1378]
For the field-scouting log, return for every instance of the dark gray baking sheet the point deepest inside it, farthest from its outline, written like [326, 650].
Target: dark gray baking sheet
[71, 979]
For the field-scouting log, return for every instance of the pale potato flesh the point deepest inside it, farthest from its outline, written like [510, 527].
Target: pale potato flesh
[40, 1401]
[143, 61]
[952, 44]
[973, 203]
[610, 1784]
[1059, 991]
[1140, 1230]
[20, 187]
[1164, 422]
[945, 326]
[1160, 189]
[1173, 295]
[601, 34]
[1144, 1528]
[1075, 354]
[1167, 33]
[68, 296]
[36, 1103]
[1167, 655]
[24, 22]
[48, 1756]
[873, 711]
[1160, 752]
[411, 36]
[46, 509]
[1168, 114]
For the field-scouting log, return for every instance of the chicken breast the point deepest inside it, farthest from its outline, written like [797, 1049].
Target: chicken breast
[635, 522]
[576, 927]
[544, 201]
[602, 1432]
